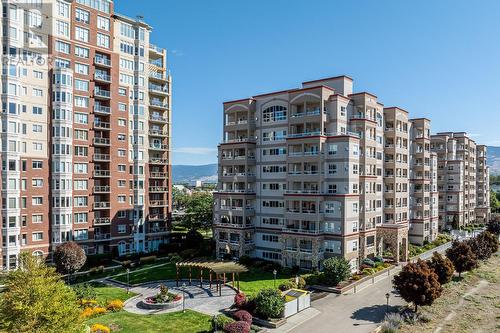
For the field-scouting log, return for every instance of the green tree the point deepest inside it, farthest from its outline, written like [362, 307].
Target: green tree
[442, 266]
[494, 227]
[335, 270]
[462, 257]
[199, 211]
[494, 202]
[179, 198]
[36, 300]
[417, 283]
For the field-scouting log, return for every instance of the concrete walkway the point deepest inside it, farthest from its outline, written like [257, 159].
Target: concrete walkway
[204, 300]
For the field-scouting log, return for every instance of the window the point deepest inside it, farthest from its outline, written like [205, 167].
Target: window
[62, 47]
[37, 92]
[127, 30]
[37, 165]
[81, 151]
[270, 238]
[82, 34]
[122, 199]
[81, 234]
[80, 168]
[37, 201]
[62, 9]
[37, 236]
[81, 135]
[122, 122]
[82, 15]
[80, 201]
[81, 85]
[82, 102]
[38, 74]
[122, 228]
[332, 149]
[102, 40]
[62, 28]
[81, 118]
[80, 184]
[103, 23]
[37, 182]
[37, 146]
[122, 168]
[274, 113]
[81, 218]
[82, 52]
[36, 218]
[82, 69]
[37, 128]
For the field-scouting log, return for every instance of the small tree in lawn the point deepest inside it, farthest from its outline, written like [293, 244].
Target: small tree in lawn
[442, 266]
[418, 284]
[479, 247]
[69, 258]
[269, 303]
[335, 270]
[490, 240]
[462, 257]
[36, 300]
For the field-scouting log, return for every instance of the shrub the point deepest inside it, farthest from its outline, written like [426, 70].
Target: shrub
[90, 312]
[115, 305]
[99, 328]
[148, 259]
[237, 327]
[99, 311]
[462, 257]
[84, 291]
[394, 319]
[314, 279]
[269, 303]
[368, 262]
[242, 315]
[301, 282]
[245, 261]
[368, 271]
[335, 270]
[389, 328]
[494, 227]
[69, 257]
[189, 253]
[356, 277]
[240, 299]
[442, 266]
[219, 321]
[286, 285]
[417, 283]
[88, 303]
[489, 241]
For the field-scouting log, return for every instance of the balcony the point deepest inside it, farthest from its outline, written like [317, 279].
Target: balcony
[102, 237]
[157, 203]
[102, 125]
[101, 109]
[159, 146]
[157, 217]
[102, 189]
[102, 205]
[102, 157]
[158, 189]
[158, 89]
[158, 118]
[156, 230]
[157, 160]
[158, 133]
[158, 104]
[102, 221]
[157, 175]
[102, 142]
[239, 140]
[157, 76]
[102, 93]
[102, 77]
[304, 134]
[155, 48]
[102, 173]
[102, 61]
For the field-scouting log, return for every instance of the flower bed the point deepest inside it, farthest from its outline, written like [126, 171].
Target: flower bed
[163, 300]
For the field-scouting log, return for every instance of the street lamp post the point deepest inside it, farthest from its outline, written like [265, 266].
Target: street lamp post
[128, 280]
[183, 297]
[274, 274]
[387, 304]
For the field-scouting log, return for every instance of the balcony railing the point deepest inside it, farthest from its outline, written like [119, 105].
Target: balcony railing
[102, 189]
[154, 146]
[102, 109]
[157, 174]
[157, 75]
[102, 173]
[102, 125]
[102, 77]
[102, 221]
[102, 157]
[157, 160]
[157, 203]
[98, 92]
[158, 189]
[157, 103]
[158, 132]
[155, 48]
[157, 118]
[102, 204]
[100, 237]
[102, 141]
[158, 89]
[102, 61]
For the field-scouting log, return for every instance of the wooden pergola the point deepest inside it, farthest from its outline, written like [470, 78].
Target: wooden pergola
[215, 268]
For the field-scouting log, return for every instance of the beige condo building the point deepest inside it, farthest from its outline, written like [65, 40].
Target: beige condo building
[85, 130]
[483, 211]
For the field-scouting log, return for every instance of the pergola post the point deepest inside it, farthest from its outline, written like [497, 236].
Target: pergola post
[238, 274]
[220, 287]
[201, 277]
[210, 274]
[177, 275]
[190, 275]
[224, 278]
[216, 282]
[233, 280]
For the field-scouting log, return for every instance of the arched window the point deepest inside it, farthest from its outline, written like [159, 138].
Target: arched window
[274, 113]
[38, 255]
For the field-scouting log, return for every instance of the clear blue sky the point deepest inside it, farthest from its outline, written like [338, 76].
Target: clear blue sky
[436, 59]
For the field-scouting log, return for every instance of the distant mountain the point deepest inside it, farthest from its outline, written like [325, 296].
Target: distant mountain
[190, 173]
[494, 160]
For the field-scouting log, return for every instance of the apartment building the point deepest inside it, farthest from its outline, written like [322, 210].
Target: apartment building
[456, 155]
[423, 184]
[85, 130]
[301, 177]
[483, 211]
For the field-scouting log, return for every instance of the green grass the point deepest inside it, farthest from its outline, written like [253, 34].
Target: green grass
[105, 293]
[164, 272]
[255, 279]
[175, 322]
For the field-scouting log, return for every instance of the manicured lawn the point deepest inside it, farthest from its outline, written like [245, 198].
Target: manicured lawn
[164, 272]
[176, 322]
[254, 280]
[106, 293]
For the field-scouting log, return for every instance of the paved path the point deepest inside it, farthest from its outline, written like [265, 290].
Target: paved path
[203, 300]
[361, 312]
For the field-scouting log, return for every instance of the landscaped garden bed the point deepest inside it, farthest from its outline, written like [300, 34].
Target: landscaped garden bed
[163, 300]
[415, 250]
